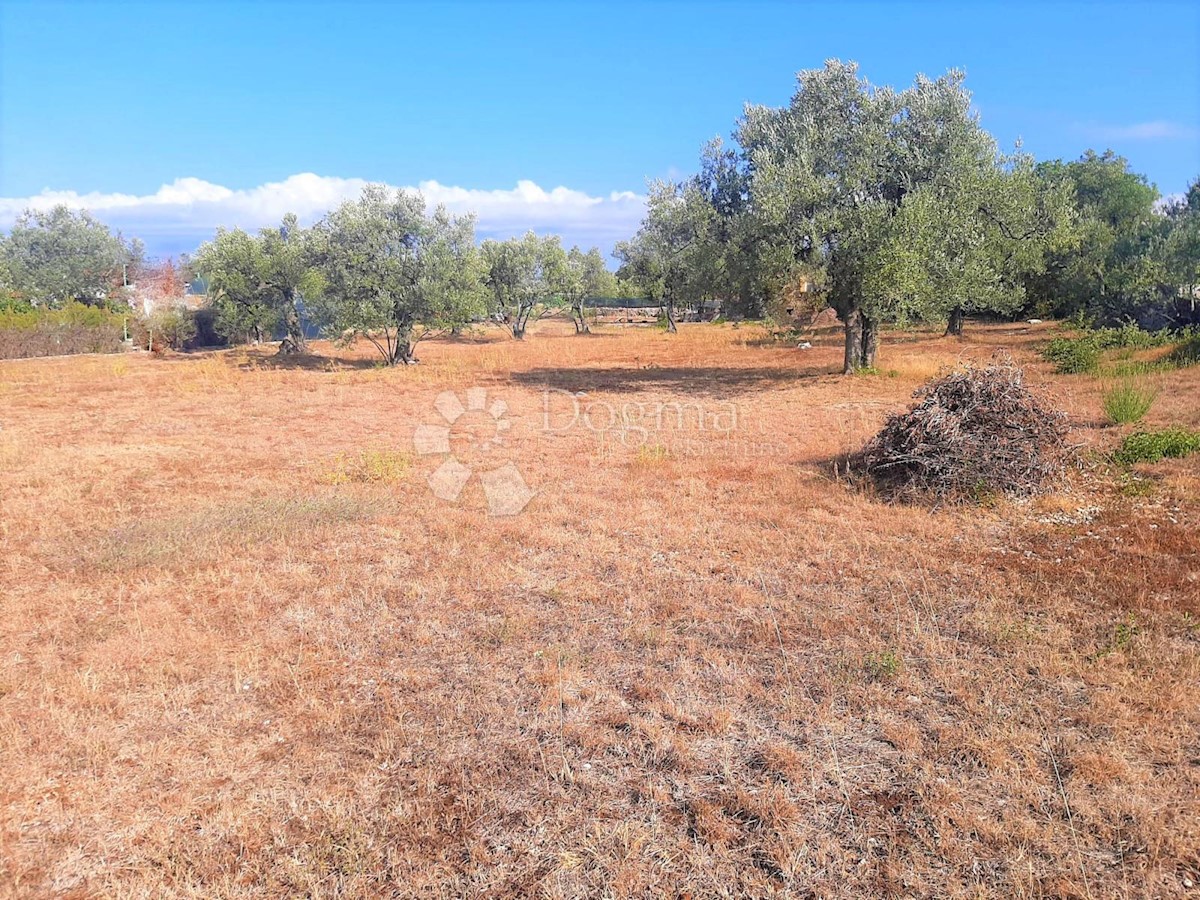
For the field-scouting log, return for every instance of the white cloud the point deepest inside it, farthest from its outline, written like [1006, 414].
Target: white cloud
[189, 209]
[1158, 130]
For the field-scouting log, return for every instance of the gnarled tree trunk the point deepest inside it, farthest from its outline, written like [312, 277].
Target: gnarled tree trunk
[870, 341]
[402, 354]
[402, 349]
[955, 326]
[521, 320]
[402, 346]
[862, 341]
[669, 309]
[852, 322]
[294, 340]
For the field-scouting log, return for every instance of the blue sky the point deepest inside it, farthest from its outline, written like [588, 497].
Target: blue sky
[497, 105]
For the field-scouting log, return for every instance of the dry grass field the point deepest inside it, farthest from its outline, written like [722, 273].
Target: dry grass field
[246, 651]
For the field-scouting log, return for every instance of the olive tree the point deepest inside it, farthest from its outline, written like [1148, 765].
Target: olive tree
[971, 249]
[393, 274]
[894, 195]
[231, 263]
[54, 256]
[289, 277]
[672, 257]
[1182, 247]
[526, 277]
[1107, 273]
[258, 283]
[585, 277]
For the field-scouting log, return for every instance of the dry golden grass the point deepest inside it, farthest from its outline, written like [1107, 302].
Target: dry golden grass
[246, 652]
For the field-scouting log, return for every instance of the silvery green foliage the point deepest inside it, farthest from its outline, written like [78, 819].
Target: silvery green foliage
[1182, 246]
[232, 264]
[674, 258]
[257, 282]
[526, 277]
[585, 276]
[901, 199]
[54, 256]
[393, 274]
[1133, 260]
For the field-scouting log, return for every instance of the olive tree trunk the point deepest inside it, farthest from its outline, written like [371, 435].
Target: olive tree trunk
[862, 341]
[521, 320]
[403, 349]
[955, 326]
[294, 341]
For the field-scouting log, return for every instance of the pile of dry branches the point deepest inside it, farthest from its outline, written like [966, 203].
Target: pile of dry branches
[975, 432]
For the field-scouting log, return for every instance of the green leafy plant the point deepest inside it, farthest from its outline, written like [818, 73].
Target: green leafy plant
[1128, 402]
[1132, 485]
[1151, 446]
[1122, 638]
[882, 666]
[1131, 337]
[1074, 355]
[172, 326]
[1081, 353]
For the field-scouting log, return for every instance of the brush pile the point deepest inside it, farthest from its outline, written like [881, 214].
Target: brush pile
[974, 433]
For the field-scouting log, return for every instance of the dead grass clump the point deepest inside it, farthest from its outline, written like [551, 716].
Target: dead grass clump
[368, 467]
[976, 432]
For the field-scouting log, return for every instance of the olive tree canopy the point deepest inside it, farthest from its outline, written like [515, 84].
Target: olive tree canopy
[393, 274]
[899, 197]
[51, 257]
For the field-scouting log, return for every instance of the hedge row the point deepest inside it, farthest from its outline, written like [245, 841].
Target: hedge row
[76, 328]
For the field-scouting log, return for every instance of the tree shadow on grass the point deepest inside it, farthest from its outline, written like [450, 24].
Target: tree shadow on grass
[304, 362]
[709, 381]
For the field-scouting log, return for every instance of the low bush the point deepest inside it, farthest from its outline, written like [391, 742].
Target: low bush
[174, 326]
[1128, 402]
[1152, 446]
[975, 433]
[1074, 355]
[1081, 354]
[1132, 337]
[26, 331]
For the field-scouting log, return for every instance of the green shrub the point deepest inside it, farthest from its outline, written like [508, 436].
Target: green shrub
[1081, 354]
[1187, 353]
[11, 302]
[1131, 337]
[1074, 356]
[1128, 402]
[1151, 446]
[173, 326]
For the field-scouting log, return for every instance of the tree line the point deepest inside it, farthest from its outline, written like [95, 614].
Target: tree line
[890, 206]
[383, 269]
[380, 267]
